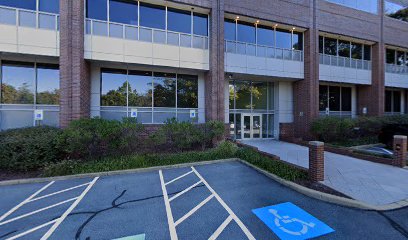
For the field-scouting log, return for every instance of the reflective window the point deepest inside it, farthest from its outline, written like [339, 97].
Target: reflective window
[266, 36]
[321, 39]
[200, 22]
[113, 91]
[335, 98]
[178, 20]
[97, 9]
[259, 95]
[370, 6]
[122, 11]
[400, 58]
[344, 49]
[323, 98]
[392, 101]
[164, 90]
[396, 101]
[330, 46]
[51, 6]
[17, 83]
[187, 91]
[395, 10]
[283, 39]
[388, 101]
[246, 32]
[242, 95]
[230, 30]
[297, 41]
[231, 95]
[25, 4]
[346, 99]
[356, 51]
[367, 52]
[48, 89]
[390, 56]
[140, 84]
[152, 16]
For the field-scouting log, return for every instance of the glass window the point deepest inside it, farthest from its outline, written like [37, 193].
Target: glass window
[17, 84]
[400, 58]
[344, 49]
[356, 51]
[200, 24]
[346, 99]
[25, 4]
[266, 36]
[370, 6]
[323, 98]
[283, 39]
[330, 46]
[113, 88]
[230, 30]
[231, 94]
[395, 10]
[321, 39]
[396, 101]
[242, 95]
[259, 95]
[178, 20]
[297, 41]
[187, 91]
[334, 98]
[140, 88]
[152, 16]
[48, 88]
[51, 6]
[164, 91]
[390, 56]
[367, 52]
[122, 11]
[246, 32]
[388, 101]
[97, 9]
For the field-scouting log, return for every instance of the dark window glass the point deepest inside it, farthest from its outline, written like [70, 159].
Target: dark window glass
[346, 99]
[297, 41]
[388, 101]
[330, 46]
[178, 20]
[48, 84]
[246, 32]
[231, 94]
[390, 56]
[344, 49]
[395, 10]
[400, 58]
[113, 91]
[242, 95]
[323, 97]
[397, 101]
[266, 36]
[259, 95]
[320, 44]
[26, 4]
[367, 52]
[123, 11]
[187, 91]
[164, 91]
[229, 30]
[152, 16]
[334, 98]
[356, 51]
[51, 6]
[17, 85]
[283, 39]
[97, 9]
[140, 88]
[200, 24]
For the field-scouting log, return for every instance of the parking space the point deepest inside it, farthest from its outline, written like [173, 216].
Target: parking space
[214, 201]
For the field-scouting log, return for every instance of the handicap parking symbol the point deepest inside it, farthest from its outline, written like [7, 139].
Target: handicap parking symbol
[289, 222]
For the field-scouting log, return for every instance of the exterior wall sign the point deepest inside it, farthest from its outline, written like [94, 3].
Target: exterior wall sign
[38, 115]
[193, 114]
[133, 113]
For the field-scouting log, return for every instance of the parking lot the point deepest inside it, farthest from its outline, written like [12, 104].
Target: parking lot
[213, 201]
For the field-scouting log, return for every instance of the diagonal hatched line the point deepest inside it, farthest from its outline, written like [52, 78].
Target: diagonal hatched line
[184, 191]
[221, 228]
[62, 191]
[192, 211]
[170, 220]
[177, 178]
[31, 230]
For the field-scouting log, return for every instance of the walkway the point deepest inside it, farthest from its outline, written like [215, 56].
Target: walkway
[373, 183]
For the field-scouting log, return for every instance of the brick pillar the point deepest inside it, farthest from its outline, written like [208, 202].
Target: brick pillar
[316, 161]
[74, 70]
[400, 151]
[215, 77]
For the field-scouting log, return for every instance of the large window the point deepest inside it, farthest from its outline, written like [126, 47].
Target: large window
[179, 20]
[230, 29]
[17, 85]
[187, 91]
[330, 46]
[121, 11]
[51, 6]
[48, 92]
[200, 23]
[246, 32]
[140, 88]
[396, 10]
[266, 36]
[164, 90]
[393, 101]
[97, 9]
[25, 4]
[152, 16]
[283, 39]
[370, 6]
[335, 99]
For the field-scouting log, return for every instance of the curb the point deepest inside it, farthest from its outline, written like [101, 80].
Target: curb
[111, 173]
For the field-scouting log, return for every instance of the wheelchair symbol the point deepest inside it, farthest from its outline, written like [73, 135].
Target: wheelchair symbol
[286, 220]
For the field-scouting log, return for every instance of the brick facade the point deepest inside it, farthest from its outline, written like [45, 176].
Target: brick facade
[400, 151]
[316, 161]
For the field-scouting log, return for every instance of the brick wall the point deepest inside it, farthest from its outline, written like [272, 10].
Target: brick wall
[286, 131]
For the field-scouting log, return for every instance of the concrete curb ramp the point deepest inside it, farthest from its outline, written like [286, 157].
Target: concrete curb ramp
[301, 189]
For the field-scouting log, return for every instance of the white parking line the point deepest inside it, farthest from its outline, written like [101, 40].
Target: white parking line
[177, 178]
[59, 192]
[221, 228]
[32, 230]
[184, 191]
[192, 211]
[170, 220]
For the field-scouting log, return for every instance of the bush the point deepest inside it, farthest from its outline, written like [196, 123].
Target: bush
[90, 138]
[29, 148]
[329, 129]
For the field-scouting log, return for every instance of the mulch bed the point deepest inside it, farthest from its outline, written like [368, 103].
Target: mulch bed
[7, 175]
[321, 188]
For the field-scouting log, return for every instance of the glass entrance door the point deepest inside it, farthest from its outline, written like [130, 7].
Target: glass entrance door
[251, 126]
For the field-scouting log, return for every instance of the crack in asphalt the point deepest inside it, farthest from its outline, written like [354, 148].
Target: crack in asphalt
[8, 234]
[395, 225]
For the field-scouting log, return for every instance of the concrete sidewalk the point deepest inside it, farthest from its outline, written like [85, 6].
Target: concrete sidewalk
[373, 183]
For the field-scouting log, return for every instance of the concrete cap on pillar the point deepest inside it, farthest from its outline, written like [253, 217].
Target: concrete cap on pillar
[316, 143]
[400, 137]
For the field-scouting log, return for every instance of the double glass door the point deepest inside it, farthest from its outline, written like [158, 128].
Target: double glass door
[251, 126]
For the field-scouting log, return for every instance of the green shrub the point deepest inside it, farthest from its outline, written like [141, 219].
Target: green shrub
[329, 129]
[96, 137]
[28, 148]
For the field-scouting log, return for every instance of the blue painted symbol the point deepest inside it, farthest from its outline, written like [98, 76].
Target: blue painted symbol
[289, 222]
[38, 115]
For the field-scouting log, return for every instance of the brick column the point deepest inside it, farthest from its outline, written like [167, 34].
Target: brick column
[74, 70]
[316, 161]
[215, 77]
[400, 151]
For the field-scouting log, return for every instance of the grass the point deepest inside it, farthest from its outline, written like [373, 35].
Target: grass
[223, 151]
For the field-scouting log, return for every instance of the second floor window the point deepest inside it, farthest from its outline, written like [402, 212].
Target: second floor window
[50, 6]
[396, 10]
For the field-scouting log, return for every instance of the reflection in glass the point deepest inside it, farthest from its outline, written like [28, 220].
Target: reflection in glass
[260, 95]
[152, 16]
[400, 58]
[367, 52]
[178, 20]
[230, 30]
[334, 98]
[283, 39]
[200, 22]
[321, 44]
[395, 10]
[396, 101]
[246, 32]
[113, 88]
[17, 83]
[266, 36]
[323, 97]
[51, 6]
[330, 46]
[344, 49]
[25, 4]
[164, 90]
[390, 56]
[187, 91]
[140, 88]
[123, 12]
[356, 51]
[242, 95]
[231, 95]
[48, 89]
[388, 101]
[346, 99]
[97, 9]
[297, 41]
